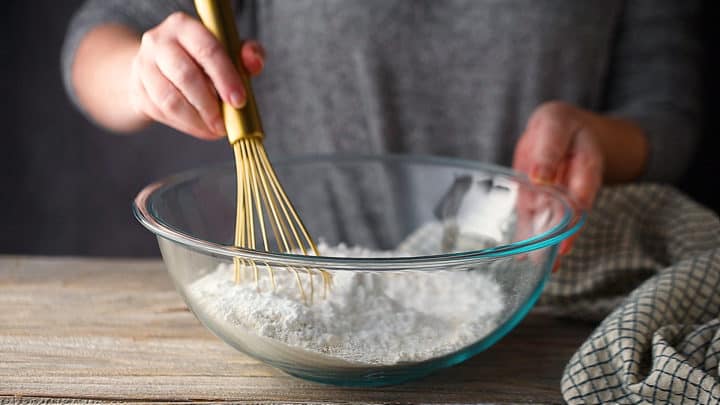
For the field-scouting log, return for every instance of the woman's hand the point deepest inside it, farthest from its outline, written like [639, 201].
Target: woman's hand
[558, 147]
[178, 72]
[579, 150]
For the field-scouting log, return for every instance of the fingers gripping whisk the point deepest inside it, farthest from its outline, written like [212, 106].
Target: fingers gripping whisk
[266, 220]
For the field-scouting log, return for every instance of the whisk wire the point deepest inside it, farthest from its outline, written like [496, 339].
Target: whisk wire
[279, 234]
[287, 207]
[244, 209]
[289, 213]
[254, 176]
[296, 217]
[262, 199]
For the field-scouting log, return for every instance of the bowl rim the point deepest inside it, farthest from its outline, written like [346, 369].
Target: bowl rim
[573, 220]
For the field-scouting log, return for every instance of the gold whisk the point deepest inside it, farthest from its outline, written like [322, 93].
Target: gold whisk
[261, 198]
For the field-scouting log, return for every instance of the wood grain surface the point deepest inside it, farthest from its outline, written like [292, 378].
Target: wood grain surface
[95, 330]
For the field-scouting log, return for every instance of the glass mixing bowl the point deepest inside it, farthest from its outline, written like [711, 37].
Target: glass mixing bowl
[459, 253]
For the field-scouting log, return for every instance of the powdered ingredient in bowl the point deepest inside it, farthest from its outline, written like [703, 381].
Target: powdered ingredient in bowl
[367, 318]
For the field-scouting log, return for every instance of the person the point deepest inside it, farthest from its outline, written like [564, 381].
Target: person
[575, 93]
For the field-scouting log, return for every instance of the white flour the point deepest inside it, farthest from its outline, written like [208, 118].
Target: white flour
[378, 319]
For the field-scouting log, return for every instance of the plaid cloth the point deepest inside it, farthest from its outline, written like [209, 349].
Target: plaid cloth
[648, 261]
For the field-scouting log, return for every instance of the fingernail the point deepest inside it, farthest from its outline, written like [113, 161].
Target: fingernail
[219, 127]
[237, 99]
[542, 175]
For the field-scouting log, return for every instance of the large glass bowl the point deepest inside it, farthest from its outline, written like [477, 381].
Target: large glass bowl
[442, 218]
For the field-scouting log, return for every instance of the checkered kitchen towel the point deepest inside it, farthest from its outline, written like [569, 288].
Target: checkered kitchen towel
[648, 261]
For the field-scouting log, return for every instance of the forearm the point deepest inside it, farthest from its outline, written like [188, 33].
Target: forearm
[101, 74]
[624, 146]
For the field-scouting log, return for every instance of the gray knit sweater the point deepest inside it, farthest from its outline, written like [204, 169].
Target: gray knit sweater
[455, 78]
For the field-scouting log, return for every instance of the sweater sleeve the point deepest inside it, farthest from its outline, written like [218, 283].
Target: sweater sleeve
[139, 15]
[654, 80]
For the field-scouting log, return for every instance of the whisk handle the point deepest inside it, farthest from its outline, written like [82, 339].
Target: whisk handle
[218, 17]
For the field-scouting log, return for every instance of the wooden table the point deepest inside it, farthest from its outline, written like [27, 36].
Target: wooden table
[95, 330]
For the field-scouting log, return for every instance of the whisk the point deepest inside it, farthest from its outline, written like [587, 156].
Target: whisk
[261, 199]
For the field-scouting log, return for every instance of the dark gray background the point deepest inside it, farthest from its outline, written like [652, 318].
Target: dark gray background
[49, 153]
